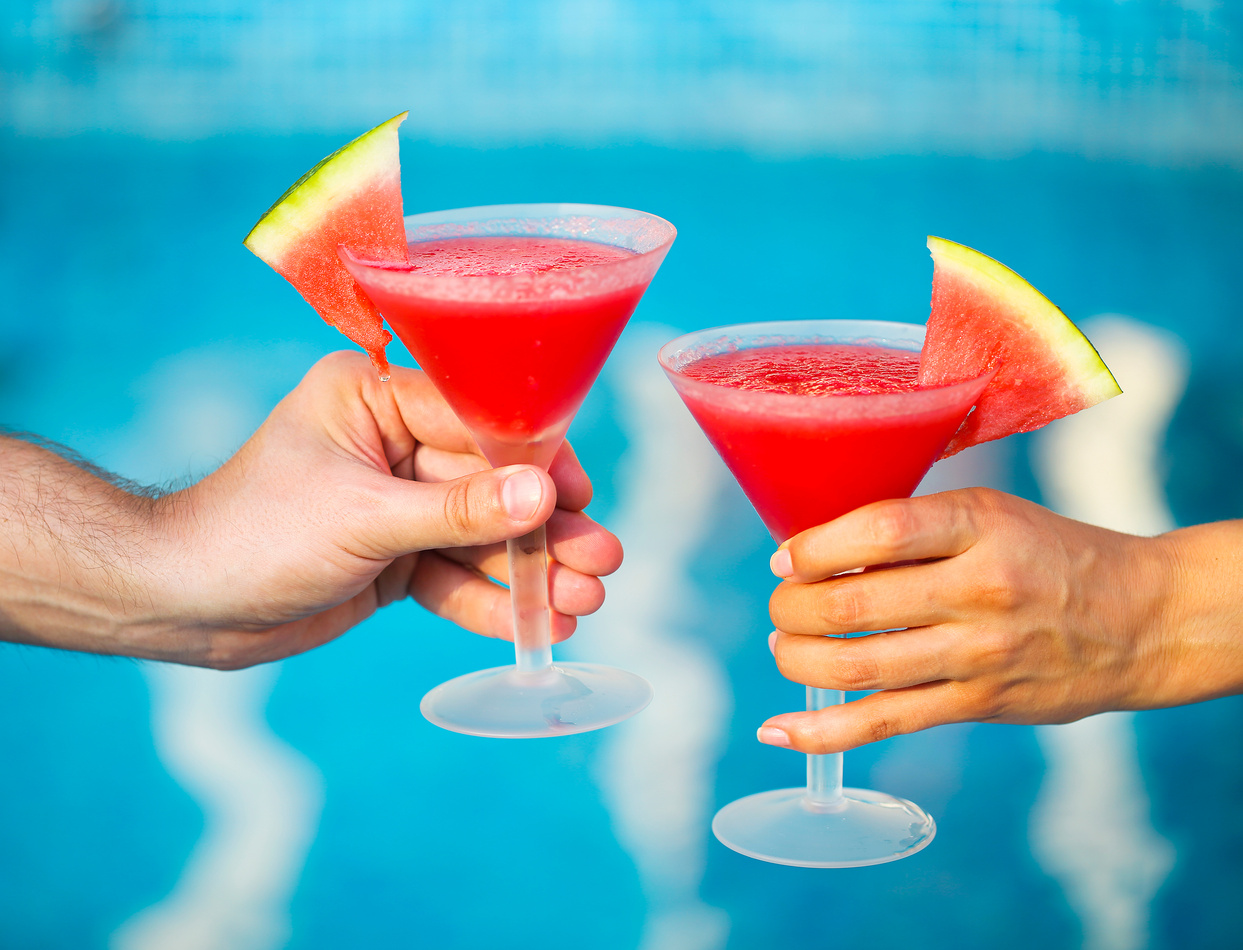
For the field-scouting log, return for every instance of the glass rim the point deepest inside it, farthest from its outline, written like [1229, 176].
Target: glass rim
[586, 280]
[542, 209]
[861, 332]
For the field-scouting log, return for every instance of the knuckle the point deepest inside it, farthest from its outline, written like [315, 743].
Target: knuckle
[339, 358]
[788, 607]
[791, 667]
[337, 363]
[856, 670]
[999, 588]
[782, 652]
[224, 652]
[890, 526]
[227, 660]
[985, 499]
[985, 507]
[842, 606]
[980, 702]
[989, 706]
[881, 727]
[460, 507]
[812, 741]
[993, 650]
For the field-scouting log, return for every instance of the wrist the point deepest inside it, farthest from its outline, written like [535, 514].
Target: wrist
[1200, 624]
[73, 571]
[154, 624]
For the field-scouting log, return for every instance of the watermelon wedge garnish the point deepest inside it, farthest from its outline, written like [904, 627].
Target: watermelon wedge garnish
[352, 197]
[986, 317]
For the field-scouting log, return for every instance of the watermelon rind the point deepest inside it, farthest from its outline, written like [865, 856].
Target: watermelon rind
[349, 170]
[352, 197]
[1083, 364]
[1044, 367]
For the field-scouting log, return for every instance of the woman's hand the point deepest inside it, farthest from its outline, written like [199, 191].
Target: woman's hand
[999, 611]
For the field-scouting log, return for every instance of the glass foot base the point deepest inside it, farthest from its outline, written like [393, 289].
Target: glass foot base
[566, 698]
[784, 827]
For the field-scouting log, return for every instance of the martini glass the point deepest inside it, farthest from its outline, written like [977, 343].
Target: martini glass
[514, 354]
[802, 461]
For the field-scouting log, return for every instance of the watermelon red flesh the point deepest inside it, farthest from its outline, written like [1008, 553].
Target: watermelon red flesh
[986, 317]
[353, 197]
[364, 223]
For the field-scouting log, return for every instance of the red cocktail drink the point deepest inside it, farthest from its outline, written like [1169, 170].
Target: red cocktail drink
[512, 328]
[516, 367]
[814, 430]
[511, 310]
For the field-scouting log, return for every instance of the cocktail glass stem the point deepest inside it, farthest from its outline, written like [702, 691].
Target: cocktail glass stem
[528, 596]
[824, 772]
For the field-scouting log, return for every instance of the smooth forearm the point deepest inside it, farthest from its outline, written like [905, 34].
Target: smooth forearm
[1203, 623]
[74, 553]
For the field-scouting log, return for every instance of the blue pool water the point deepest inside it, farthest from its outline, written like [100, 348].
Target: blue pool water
[139, 331]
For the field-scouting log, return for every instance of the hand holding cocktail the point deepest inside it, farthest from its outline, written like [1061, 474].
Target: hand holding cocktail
[819, 417]
[353, 494]
[511, 310]
[1014, 614]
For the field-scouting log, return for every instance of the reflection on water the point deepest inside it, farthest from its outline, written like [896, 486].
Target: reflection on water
[261, 802]
[260, 798]
[657, 771]
[1091, 827]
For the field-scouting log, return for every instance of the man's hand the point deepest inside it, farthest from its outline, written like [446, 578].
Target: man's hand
[353, 494]
[999, 611]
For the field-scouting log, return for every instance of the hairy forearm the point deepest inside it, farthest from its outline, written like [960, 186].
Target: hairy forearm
[74, 551]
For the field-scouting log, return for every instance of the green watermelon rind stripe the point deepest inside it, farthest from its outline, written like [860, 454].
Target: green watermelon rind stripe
[1074, 352]
[351, 169]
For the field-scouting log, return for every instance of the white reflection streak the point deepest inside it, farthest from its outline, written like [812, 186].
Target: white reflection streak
[260, 801]
[260, 798]
[1090, 827]
[657, 770]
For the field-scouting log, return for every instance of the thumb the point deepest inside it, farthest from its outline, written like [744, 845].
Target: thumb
[483, 508]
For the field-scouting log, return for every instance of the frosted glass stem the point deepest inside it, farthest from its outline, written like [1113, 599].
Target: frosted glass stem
[824, 772]
[528, 595]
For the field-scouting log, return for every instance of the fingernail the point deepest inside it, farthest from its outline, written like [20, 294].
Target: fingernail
[772, 643]
[521, 494]
[771, 735]
[781, 563]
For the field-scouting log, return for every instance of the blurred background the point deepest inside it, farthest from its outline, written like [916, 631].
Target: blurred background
[804, 149]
